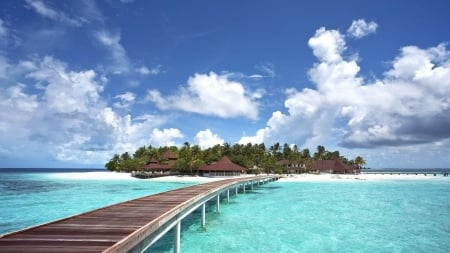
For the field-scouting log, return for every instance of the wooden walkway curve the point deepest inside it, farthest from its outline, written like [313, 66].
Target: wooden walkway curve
[125, 227]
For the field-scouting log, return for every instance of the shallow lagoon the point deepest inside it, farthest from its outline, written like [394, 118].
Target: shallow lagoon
[332, 216]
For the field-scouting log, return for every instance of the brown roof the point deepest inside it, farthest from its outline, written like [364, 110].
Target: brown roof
[153, 164]
[224, 164]
[335, 165]
[168, 154]
[156, 166]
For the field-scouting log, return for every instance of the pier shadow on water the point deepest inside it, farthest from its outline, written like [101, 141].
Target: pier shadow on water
[192, 222]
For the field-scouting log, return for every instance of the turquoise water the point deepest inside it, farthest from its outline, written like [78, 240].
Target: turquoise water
[341, 216]
[28, 199]
[350, 216]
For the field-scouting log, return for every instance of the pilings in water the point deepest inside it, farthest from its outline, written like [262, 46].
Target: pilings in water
[107, 230]
[177, 229]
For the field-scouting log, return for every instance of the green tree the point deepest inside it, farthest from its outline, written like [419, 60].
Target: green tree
[320, 153]
[114, 163]
[359, 161]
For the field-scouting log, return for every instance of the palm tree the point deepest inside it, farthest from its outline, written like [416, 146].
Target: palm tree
[359, 161]
[319, 155]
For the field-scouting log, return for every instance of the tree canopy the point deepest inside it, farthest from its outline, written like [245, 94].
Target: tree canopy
[255, 157]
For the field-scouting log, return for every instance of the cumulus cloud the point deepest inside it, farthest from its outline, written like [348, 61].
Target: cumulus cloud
[360, 28]
[58, 113]
[165, 137]
[206, 139]
[210, 94]
[51, 13]
[408, 105]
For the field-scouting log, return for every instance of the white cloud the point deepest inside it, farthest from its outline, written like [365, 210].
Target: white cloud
[146, 71]
[206, 139]
[258, 138]
[210, 94]
[267, 69]
[165, 137]
[360, 28]
[410, 105]
[57, 15]
[66, 91]
[4, 66]
[126, 100]
[58, 114]
[327, 45]
[3, 30]
[121, 62]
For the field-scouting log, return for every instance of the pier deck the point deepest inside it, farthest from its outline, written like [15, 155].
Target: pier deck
[120, 227]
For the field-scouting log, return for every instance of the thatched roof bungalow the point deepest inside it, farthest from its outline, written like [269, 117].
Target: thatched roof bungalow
[223, 167]
[155, 166]
[170, 157]
[333, 166]
[168, 160]
[291, 167]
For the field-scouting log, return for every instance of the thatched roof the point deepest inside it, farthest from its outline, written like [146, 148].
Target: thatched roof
[335, 165]
[169, 155]
[156, 166]
[153, 164]
[224, 164]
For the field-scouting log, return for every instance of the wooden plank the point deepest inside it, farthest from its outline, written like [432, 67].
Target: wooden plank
[113, 228]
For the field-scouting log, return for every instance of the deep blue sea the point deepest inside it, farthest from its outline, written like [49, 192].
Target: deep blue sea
[338, 216]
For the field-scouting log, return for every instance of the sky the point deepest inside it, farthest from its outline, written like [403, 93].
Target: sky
[83, 80]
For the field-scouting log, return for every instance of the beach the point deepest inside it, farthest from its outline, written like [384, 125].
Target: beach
[324, 177]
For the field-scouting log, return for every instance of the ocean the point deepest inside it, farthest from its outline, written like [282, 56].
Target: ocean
[335, 216]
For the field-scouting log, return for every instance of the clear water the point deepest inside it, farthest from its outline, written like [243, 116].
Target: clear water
[350, 216]
[343, 216]
[30, 198]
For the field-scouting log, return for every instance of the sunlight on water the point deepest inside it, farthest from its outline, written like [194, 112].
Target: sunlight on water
[29, 199]
[389, 216]
[335, 216]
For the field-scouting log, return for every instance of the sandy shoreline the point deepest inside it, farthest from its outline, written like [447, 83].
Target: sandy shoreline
[284, 178]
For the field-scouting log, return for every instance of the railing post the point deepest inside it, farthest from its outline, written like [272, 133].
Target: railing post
[218, 203]
[176, 246]
[204, 214]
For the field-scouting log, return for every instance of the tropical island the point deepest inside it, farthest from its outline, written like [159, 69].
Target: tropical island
[249, 159]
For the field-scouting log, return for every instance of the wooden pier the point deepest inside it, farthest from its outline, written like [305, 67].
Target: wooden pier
[131, 226]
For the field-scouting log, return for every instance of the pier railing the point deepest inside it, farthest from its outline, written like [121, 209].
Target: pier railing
[131, 226]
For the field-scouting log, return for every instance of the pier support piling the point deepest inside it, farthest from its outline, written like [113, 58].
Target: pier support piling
[218, 203]
[204, 214]
[228, 196]
[176, 246]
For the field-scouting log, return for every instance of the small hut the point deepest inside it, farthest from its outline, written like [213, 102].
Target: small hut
[333, 166]
[155, 167]
[222, 168]
[170, 157]
[291, 167]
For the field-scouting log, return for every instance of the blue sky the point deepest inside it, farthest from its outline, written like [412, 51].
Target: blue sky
[82, 80]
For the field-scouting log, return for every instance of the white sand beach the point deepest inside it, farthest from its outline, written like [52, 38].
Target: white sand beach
[371, 177]
[284, 178]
